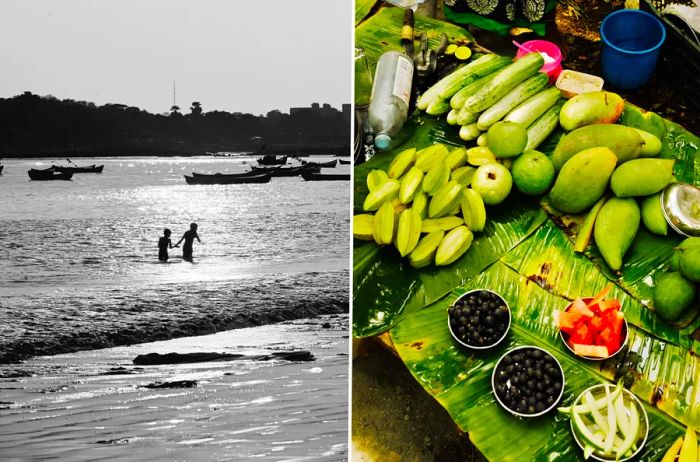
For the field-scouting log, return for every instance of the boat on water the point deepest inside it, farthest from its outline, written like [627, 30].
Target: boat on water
[223, 179]
[86, 169]
[227, 175]
[287, 171]
[344, 162]
[314, 176]
[271, 159]
[1, 167]
[48, 174]
[329, 164]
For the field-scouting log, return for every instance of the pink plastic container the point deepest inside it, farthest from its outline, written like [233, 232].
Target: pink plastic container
[552, 68]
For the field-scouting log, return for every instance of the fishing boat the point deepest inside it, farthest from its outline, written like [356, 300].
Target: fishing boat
[271, 159]
[223, 179]
[1, 167]
[86, 169]
[344, 162]
[286, 171]
[48, 174]
[329, 164]
[227, 175]
[312, 176]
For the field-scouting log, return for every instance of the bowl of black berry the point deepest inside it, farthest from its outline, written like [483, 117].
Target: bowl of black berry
[528, 381]
[479, 319]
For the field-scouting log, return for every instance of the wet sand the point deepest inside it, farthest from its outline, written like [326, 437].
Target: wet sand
[93, 405]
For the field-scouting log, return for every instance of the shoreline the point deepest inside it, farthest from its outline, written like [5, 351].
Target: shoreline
[17, 351]
[341, 151]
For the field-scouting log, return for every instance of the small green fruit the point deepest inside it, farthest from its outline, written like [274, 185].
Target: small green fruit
[673, 294]
[690, 263]
[533, 173]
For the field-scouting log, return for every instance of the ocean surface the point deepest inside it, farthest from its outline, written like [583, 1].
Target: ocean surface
[80, 269]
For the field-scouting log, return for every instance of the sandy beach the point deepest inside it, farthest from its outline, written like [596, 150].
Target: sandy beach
[94, 405]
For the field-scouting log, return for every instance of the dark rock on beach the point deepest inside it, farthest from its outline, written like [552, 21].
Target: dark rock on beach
[153, 359]
[173, 384]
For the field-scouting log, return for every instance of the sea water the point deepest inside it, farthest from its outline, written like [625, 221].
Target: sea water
[80, 262]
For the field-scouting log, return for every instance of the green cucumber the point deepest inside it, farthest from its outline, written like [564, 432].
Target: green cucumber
[469, 132]
[506, 79]
[543, 126]
[465, 117]
[481, 140]
[459, 75]
[438, 106]
[487, 66]
[452, 117]
[458, 99]
[529, 110]
[517, 95]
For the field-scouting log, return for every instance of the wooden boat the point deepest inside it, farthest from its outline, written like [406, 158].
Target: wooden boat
[329, 164]
[286, 171]
[221, 179]
[86, 169]
[227, 175]
[271, 159]
[344, 162]
[49, 174]
[312, 176]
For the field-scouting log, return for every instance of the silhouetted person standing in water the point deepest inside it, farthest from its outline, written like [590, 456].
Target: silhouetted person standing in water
[163, 244]
[189, 238]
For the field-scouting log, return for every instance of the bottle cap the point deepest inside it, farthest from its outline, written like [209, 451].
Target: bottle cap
[382, 141]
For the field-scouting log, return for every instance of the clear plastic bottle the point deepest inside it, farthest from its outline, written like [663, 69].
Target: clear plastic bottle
[391, 91]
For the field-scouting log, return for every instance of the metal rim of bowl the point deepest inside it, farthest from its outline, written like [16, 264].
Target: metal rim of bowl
[669, 219]
[593, 358]
[556, 401]
[473, 347]
[639, 406]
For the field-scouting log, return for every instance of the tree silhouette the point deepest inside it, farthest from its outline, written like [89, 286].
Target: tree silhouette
[196, 109]
[175, 110]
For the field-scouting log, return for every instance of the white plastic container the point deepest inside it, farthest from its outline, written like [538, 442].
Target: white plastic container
[572, 83]
[391, 92]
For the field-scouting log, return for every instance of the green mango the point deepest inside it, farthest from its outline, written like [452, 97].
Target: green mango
[597, 107]
[652, 216]
[651, 146]
[583, 180]
[615, 228]
[641, 177]
[625, 142]
[673, 294]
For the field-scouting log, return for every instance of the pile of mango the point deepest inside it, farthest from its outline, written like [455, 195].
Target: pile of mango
[423, 206]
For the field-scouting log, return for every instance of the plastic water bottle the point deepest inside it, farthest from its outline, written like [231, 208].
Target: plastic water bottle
[391, 91]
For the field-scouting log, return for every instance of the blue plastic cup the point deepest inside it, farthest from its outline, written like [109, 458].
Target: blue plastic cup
[631, 43]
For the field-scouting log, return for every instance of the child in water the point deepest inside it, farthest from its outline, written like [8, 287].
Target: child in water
[163, 244]
[189, 238]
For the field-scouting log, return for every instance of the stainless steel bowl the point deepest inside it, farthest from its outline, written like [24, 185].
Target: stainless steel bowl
[680, 204]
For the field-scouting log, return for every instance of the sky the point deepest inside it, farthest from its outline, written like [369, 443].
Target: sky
[249, 56]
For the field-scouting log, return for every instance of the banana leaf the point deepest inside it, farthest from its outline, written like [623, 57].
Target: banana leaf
[547, 258]
[362, 9]
[461, 381]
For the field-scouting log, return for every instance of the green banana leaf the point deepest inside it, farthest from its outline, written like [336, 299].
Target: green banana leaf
[547, 258]
[461, 381]
[362, 9]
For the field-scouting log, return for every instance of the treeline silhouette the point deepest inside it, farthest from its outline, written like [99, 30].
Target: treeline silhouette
[35, 126]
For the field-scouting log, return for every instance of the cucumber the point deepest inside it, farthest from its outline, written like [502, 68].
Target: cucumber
[458, 75]
[517, 95]
[543, 126]
[481, 140]
[458, 99]
[469, 132]
[487, 67]
[465, 117]
[438, 106]
[533, 107]
[506, 79]
[452, 117]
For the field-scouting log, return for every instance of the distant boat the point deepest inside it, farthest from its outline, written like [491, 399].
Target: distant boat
[344, 162]
[271, 159]
[329, 164]
[286, 171]
[311, 176]
[48, 174]
[1, 167]
[228, 175]
[87, 169]
[223, 179]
